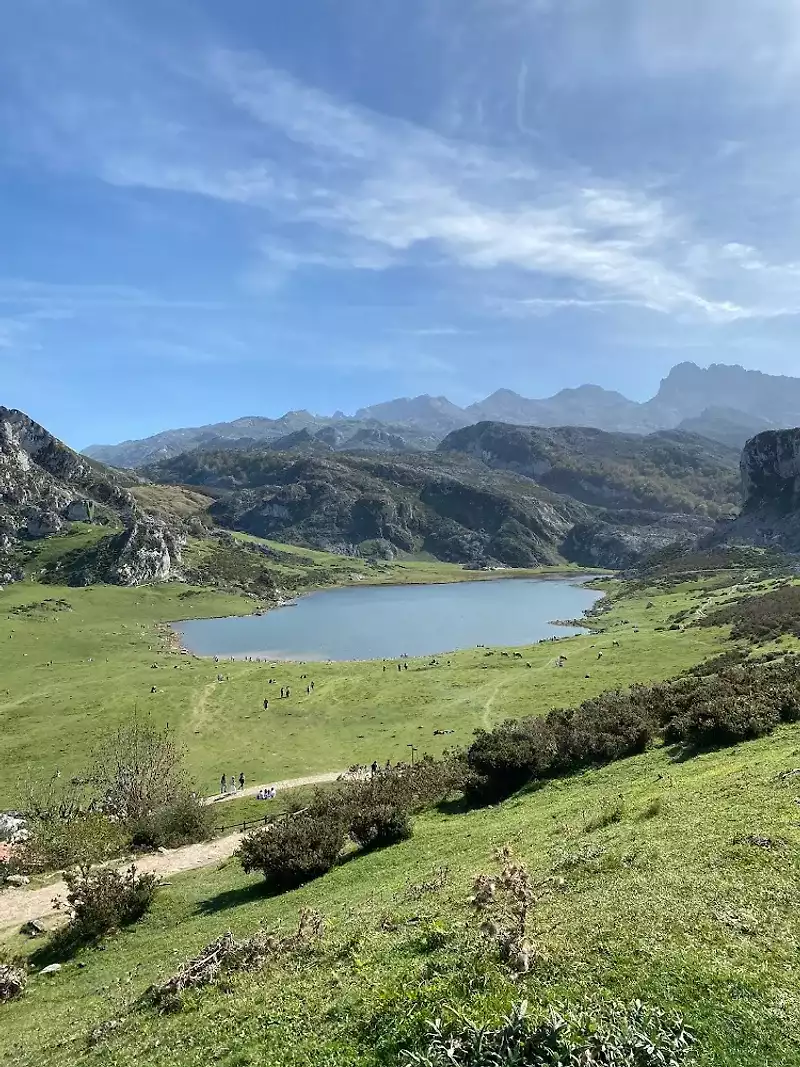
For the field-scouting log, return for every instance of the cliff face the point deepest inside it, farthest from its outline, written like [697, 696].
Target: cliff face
[771, 472]
[770, 516]
[45, 486]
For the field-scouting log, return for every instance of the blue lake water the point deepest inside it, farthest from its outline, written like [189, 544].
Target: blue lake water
[384, 622]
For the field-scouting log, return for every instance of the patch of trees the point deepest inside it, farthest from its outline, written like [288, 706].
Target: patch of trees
[761, 618]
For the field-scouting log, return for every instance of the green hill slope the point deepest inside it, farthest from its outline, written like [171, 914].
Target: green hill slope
[685, 899]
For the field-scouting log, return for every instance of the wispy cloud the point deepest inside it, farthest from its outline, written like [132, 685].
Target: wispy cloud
[353, 189]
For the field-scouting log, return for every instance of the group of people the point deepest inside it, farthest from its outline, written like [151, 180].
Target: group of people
[267, 793]
[230, 786]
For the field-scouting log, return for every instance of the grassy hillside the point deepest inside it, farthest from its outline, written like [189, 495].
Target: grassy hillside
[687, 900]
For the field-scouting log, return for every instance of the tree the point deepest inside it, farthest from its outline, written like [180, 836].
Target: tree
[139, 770]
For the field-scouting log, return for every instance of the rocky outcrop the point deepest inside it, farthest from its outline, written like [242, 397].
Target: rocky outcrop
[623, 540]
[770, 516]
[770, 468]
[45, 486]
[146, 552]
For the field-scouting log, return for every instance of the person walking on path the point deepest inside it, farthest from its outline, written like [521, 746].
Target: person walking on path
[266, 704]
[241, 780]
[223, 784]
[233, 784]
[374, 768]
[281, 692]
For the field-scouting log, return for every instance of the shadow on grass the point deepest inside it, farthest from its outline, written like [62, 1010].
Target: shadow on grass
[234, 898]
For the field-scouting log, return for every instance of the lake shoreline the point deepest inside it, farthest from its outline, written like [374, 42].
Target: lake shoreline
[569, 579]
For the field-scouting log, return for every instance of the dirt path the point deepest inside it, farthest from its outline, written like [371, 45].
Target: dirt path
[18, 906]
[290, 783]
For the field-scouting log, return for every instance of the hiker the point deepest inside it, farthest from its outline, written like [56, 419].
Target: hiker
[288, 691]
[223, 785]
[374, 768]
[405, 666]
[266, 704]
[241, 780]
[399, 666]
[312, 687]
[281, 692]
[308, 690]
[233, 784]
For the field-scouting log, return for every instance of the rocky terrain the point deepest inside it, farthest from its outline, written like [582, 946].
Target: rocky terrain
[45, 487]
[770, 515]
[452, 509]
[492, 493]
[726, 403]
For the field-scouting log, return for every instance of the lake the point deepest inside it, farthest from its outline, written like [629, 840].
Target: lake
[384, 622]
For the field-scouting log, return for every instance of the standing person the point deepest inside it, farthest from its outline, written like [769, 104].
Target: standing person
[374, 768]
[223, 784]
[288, 691]
[241, 780]
[233, 784]
[266, 704]
[281, 692]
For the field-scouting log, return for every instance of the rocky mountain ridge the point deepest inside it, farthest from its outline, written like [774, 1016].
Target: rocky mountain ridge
[725, 403]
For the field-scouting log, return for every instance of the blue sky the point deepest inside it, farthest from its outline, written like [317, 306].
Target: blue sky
[216, 209]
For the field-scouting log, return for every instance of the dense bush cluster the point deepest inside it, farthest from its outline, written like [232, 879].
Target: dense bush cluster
[760, 618]
[372, 813]
[738, 703]
[614, 1035]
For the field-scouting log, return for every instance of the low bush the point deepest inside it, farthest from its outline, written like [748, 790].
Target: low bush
[608, 1035]
[183, 821]
[101, 901]
[379, 825]
[296, 850]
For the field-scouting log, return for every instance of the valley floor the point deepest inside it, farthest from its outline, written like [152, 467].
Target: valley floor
[76, 661]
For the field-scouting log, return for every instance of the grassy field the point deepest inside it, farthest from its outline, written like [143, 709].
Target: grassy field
[68, 675]
[688, 901]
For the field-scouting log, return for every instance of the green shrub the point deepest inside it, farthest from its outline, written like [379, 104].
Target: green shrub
[605, 1035]
[102, 901]
[294, 851]
[379, 826]
[183, 821]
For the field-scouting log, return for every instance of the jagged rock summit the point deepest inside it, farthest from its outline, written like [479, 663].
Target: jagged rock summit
[45, 486]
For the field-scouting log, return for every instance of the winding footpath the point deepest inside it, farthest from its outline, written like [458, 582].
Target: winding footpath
[19, 906]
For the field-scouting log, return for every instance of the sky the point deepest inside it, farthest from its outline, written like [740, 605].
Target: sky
[210, 210]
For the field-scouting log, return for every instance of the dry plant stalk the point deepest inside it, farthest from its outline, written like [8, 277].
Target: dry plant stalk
[504, 903]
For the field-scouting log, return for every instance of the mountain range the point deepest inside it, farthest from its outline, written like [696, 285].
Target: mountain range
[725, 403]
